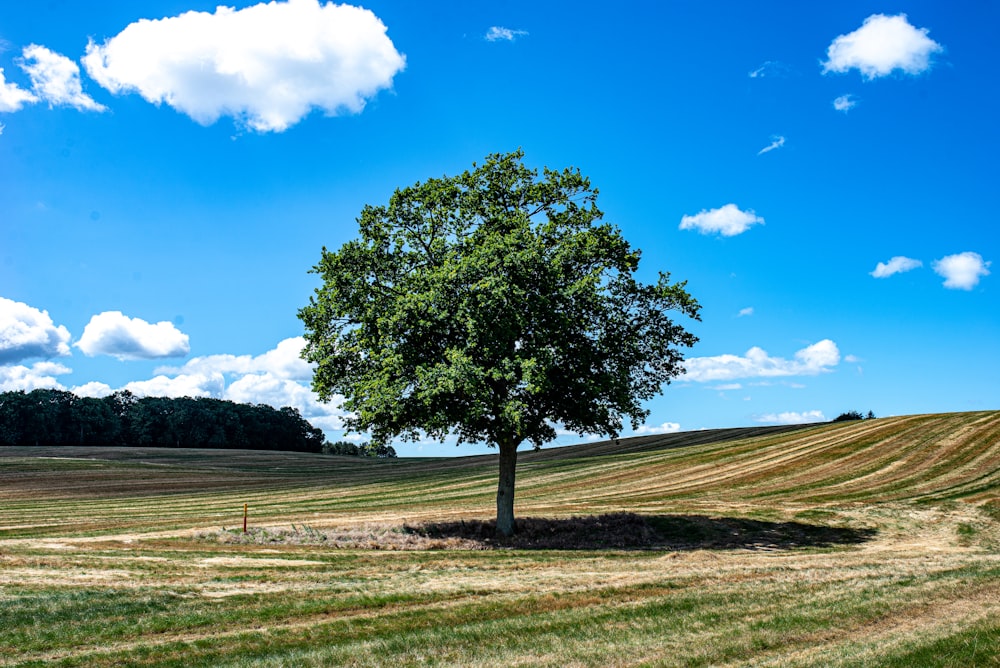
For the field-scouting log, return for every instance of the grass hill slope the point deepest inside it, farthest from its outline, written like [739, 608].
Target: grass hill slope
[860, 543]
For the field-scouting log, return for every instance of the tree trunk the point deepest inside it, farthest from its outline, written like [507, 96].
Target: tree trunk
[505, 489]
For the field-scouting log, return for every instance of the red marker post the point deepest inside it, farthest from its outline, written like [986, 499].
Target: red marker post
[245, 506]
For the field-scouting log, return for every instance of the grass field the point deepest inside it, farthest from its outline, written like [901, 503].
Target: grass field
[847, 544]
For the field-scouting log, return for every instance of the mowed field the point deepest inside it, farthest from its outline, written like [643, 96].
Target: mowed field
[871, 543]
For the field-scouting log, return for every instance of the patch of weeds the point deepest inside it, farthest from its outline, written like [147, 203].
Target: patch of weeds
[992, 509]
[946, 505]
[816, 515]
[630, 531]
[612, 531]
[966, 533]
[592, 532]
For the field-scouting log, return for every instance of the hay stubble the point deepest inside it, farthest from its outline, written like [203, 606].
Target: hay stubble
[138, 540]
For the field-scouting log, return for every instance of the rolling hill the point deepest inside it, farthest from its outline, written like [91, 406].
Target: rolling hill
[856, 543]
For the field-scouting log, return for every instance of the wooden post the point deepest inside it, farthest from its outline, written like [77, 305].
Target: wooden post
[245, 506]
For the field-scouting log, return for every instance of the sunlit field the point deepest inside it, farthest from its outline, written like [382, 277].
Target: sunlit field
[866, 543]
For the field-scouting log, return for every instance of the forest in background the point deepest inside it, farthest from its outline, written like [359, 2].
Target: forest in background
[56, 417]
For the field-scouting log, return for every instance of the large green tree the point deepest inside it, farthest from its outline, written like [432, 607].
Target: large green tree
[494, 306]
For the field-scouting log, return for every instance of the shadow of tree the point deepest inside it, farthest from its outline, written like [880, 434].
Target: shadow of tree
[630, 531]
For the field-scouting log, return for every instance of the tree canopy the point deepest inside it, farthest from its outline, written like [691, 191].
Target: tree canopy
[493, 306]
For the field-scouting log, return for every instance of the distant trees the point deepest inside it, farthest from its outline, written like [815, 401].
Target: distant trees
[348, 449]
[56, 417]
[853, 415]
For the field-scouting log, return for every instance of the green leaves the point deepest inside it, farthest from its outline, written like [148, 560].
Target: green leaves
[491, 305]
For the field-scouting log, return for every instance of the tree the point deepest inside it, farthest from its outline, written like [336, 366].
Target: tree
[347, 449]
[848, 416]
[493, 306]
[343, 448]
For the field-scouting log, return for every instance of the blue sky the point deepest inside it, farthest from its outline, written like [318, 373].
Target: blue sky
[824, 176]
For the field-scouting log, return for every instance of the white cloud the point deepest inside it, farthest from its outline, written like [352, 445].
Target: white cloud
[748, 311]
[728, 387]
[880, 46]
[770, 68]
[193, 385]
[278, 378]
[777, 141]
[496, 33]
[112, 333]
[93, 389]
[269, 389]
[267, 65]
[895, 265]
[56, 79]
[39, 376]
[727, 221]
[817, 358]
[962, 271]
[26, 332]
[284, 362]
[12, 98]
[792, 417]
[665, 428]
[845, 103]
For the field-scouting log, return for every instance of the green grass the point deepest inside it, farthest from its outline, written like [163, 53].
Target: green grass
[978, 646]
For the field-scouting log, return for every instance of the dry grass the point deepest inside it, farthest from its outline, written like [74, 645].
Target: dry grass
[856, 544]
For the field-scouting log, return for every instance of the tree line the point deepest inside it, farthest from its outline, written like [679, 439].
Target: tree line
[853, 415]
[56, 417]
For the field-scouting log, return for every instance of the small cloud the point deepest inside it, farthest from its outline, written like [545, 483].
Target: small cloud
[499, 33]
[56, 79]
[880, 46]
[845, 103]
[962, 271]
[852, 359]
[284, 361]
[777, 141]
[770, 68]
[812, 360]
[93, 390]
[114, 334]
[196, 385]
[267, 65]
[791, 417]
[12, 97]
[665, 428]
[728, 387]
[748, 311]
[727, 221]
[896, 265]
[39, 376]
[26, 332]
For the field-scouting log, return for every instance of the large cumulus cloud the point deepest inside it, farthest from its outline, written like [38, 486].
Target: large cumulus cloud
[267, 65]
[115, 334]
[26, 332]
